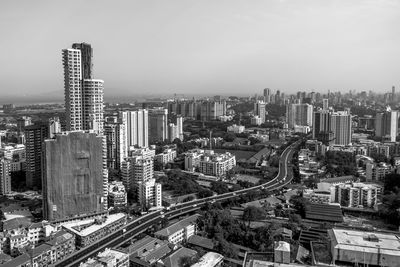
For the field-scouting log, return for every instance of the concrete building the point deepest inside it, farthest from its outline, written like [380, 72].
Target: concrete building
[61, 245]
[23, 122]
[371, 249]
[299, 115]
[210, 259]
[117, 195]
[136, 125]
[117, 148]
[256, 120]
[235, 128]
[108, 258]
[89, 231]
[192, 159]
[35, 136]
[341, 126]
[150, 194]
[168, 155]
[179, 231]
[387, 124]
[282, 252]
[259, 110]
[158, 125]
[147, 251]
[83, 94]
[74, 176]
[377, 171]
[217, 164]
[135, 170]
[5, 176]
[211, 110]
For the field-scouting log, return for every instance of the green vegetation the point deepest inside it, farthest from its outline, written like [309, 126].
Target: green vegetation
[390, 209]
[339, 163]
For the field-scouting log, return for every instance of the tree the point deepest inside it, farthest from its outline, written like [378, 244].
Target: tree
[219, 187]
[187, 261]
[252, 213]
[204, 193]
[299, 204]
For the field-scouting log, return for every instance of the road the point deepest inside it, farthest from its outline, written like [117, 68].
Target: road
[142, 223]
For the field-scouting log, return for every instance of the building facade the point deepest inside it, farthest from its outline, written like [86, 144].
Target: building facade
[74, 176]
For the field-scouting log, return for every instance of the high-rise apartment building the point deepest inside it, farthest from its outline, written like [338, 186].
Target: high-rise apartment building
[136, 124]
[267, 95]
[299, 115]
[332, 127]
[5, 176]
[158, 125]
[150, 195]
[341, 126]
[259, 110]
[35, 136]
[83, 94]
[212, 110]
[387, 124]
[325, 104]
[117, 148]
[74, 175]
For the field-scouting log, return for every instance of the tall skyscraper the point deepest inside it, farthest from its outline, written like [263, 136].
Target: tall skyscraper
[322, 126]
[387, 124]
[136, 124]
[299, 115]
[341, 126]
[35, 136]
[325, 104]
[5, 176]
[117, 149]
[158, 125]
[74, 175]
[83, 95]
[259, 110]
[267, 95]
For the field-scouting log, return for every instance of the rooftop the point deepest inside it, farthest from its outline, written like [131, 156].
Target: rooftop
[324, 212]
[369, 242]
[209, 259]
[80, 228]
[200, 241]
[178, 226]
[174, 258]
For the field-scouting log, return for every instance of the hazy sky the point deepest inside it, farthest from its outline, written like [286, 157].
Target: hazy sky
[193, 47]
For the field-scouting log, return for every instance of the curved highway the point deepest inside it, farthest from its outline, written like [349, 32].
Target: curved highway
[142, 223]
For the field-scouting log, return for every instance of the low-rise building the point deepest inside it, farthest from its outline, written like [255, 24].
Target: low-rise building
[210, 259]
[235, 128]
[179, 231]
[147, 251]
[117, 196]
[377, 172]
[217, 164]
[90, 230]
[371, 249]
[108, 258]
[59, 247]
[168, 155]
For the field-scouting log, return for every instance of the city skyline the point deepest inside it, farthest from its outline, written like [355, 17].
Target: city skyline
[215, 48]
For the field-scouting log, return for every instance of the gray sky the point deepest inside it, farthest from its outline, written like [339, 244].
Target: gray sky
[216, 47]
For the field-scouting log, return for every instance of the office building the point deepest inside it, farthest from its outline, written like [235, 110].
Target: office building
[299, 115]
[386, 125]
[150, 195]
[35, 136]
[259, 110]
[74, 175]
[5, 176]
[83, 94]
[136, 125]
[158, 125]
